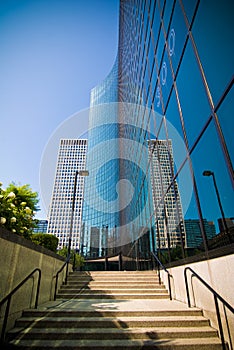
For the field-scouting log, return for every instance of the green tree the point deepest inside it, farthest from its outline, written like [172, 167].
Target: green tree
[18, 205]
[77, 259]
[45, 240]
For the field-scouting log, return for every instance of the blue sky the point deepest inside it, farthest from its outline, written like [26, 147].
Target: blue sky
[52, 54]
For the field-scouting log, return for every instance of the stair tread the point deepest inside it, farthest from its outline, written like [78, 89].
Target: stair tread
[116, 318]
[114, 283]
[113, 342]
[129, 330]
[114, 290]
[89, 293]
[106, 312]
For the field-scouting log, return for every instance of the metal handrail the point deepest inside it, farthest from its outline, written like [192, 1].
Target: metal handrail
[216, 298]
[169, 276]
[56, 277]
[8, 298]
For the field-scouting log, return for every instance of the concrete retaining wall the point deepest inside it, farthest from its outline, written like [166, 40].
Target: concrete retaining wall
[18, 258]
[218, 273]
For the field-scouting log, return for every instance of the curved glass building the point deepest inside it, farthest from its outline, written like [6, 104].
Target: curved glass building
[172, 82]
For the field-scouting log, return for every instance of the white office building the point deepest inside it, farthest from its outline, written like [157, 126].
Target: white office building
[169, 222]
[71, 158]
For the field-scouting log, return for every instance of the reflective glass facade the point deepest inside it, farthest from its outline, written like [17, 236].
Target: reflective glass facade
[101, 210]
[173, 81]
[176, 58]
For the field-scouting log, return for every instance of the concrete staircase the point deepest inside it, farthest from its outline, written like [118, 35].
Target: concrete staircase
[113, 285]
[114, 310]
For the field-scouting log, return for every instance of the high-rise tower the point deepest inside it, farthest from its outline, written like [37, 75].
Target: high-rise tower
[71, 158]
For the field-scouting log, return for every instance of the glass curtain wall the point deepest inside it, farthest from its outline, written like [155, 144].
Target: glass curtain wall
[160, 139]
[176, 58]
[100, 209]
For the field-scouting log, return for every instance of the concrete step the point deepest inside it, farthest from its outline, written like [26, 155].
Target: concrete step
[114, 290]
[103, 295]
[114, 273]
[113, 322]
[147, 343]
[107, 282]
[112, 285]
[113, 333]
[113, 280]
[109, 313]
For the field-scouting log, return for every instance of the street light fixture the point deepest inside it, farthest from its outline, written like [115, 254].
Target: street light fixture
[80, 173]
[211, 173]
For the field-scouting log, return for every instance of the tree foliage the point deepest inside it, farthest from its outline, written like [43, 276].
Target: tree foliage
[77, 259]
[45, 240]
[18, 205]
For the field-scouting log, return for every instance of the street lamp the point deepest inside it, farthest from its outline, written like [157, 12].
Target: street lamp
[211, 173]
[80, 173]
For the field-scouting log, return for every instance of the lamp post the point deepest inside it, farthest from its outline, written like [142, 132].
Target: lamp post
[80, 173]
[211, 173]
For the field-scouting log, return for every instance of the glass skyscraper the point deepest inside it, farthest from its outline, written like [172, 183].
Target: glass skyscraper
[172, 81]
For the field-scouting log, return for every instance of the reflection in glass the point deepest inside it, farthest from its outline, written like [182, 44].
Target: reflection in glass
[208, 159]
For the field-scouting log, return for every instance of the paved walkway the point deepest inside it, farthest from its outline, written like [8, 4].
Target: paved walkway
[113, 304]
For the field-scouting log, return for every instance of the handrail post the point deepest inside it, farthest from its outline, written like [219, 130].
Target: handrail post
[38, 288]
[56, 285]
[169, 286]
[5, 319]
[56, 277]
[219, 322]
[66, 273]
[106, 263]
[187, 287]
[159, 276]
[120, 262]
[159, 264]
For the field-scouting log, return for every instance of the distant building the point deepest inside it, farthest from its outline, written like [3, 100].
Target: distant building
[41, 226]
[71, 157]
[194, 234]
[229, 224]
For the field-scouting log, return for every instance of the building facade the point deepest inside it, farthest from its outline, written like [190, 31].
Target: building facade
[174, 60]
[71, 158]
[41, 226]
[172, 81]
[194, 234]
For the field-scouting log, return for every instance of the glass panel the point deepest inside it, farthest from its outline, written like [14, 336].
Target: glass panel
[189, 6]
[165, 78]
[151, 55]
[177, 36]
[225, 115]
[172, 113]
[214, 24]
[208, 157]
[156, 24]
[160, 47]
[167, 14]
[193, 99]
[152, 8]
[158, 99]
